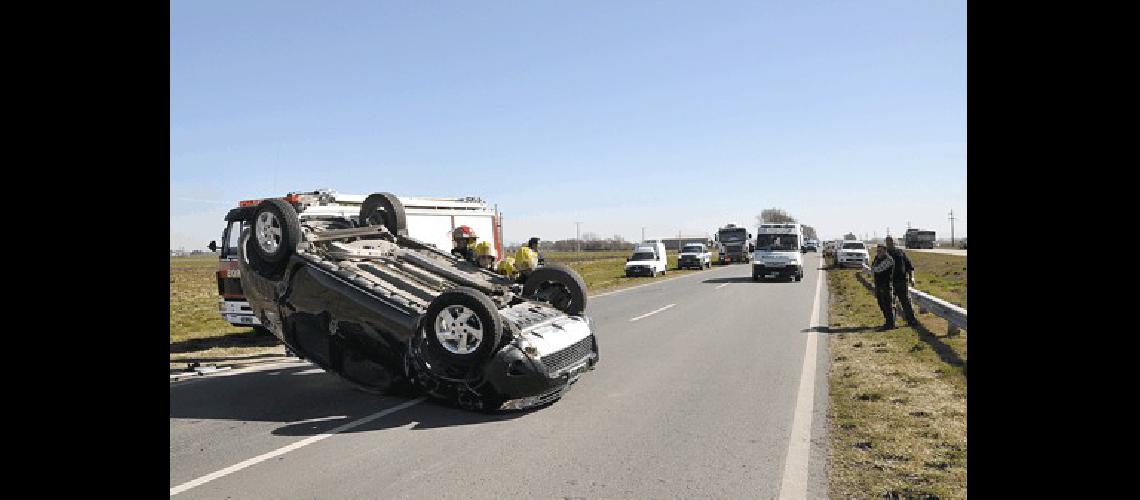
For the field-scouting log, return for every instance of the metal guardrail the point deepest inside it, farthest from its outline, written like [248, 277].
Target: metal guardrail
[955, 316]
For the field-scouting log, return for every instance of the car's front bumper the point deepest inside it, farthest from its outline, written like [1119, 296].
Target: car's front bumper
[850, 261]
[690, 262]
[761, 271]
[529, 381]
[639, 271]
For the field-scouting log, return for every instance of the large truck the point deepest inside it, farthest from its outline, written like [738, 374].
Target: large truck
[917, 238]
[733, 245]
[428, 219]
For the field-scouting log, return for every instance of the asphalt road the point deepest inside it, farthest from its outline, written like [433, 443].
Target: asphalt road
[696, 400]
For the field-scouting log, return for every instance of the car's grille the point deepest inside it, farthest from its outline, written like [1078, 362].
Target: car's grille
[570, 355]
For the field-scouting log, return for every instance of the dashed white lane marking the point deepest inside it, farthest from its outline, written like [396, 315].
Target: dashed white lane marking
[651, 313]
[286, 449]
[794, 483]
[718, 287]
[649, 284]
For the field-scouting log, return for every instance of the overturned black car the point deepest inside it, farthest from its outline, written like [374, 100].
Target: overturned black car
[361, 299]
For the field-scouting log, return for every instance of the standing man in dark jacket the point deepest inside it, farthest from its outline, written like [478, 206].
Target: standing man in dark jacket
[903, 274]
[883, 268]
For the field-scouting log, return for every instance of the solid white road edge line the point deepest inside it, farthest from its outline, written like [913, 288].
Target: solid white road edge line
[794, 483]
[651, 313]
[286, 449]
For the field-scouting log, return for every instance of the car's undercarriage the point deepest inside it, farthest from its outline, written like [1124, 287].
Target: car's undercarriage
[360, 298]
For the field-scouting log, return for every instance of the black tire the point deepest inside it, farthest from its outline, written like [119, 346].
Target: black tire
[485, 313]
[559, 285]
[386, 209]
[276, 231]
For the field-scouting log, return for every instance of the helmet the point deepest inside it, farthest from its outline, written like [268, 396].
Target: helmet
[533, 243]
[484, 249]
[526, 259]
[463, 232]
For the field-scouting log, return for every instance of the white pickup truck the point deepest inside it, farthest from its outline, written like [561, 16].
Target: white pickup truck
[851, 253]
[694, 255]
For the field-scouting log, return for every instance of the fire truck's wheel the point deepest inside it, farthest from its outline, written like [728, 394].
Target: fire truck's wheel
[462, 326]
[276, 231]
[558, 285]
[386, 209]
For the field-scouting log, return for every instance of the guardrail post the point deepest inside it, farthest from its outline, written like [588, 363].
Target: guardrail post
[951, 329]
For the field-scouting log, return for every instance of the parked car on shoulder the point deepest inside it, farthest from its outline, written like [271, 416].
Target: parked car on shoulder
[694, 256]
[648, 259]
[851, 253]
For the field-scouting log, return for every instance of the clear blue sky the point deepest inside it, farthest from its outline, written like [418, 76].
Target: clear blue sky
[675, 116]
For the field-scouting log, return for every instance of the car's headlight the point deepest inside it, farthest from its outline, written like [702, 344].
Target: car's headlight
[527, 347]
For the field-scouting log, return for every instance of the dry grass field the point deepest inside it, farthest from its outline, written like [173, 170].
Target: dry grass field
[198, 334]
[897, 415]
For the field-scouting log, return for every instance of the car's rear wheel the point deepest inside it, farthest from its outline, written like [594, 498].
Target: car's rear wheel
[384, 209]
[276, 232]
[462, 326]
[558, 285]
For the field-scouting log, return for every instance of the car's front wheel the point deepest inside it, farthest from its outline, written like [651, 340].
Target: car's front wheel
[462, 326]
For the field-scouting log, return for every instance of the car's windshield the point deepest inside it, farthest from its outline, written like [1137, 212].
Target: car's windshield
[854, 246]
[692, 249]
[642, 256]
[733, 237]
[777, 242]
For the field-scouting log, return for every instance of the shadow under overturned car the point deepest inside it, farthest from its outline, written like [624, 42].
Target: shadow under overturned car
[310, 401]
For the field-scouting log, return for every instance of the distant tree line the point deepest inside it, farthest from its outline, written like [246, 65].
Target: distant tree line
[591, 242]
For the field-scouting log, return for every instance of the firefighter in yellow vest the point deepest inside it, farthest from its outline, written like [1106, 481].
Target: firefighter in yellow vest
[485, 255]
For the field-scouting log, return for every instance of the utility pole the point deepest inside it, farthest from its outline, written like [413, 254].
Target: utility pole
[578, 236]
[951, 227]
[643, 234]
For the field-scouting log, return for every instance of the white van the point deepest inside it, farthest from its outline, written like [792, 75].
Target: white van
[648, 259]
[777, 253]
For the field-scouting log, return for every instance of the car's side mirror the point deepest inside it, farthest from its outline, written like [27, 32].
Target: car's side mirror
[213, 246]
